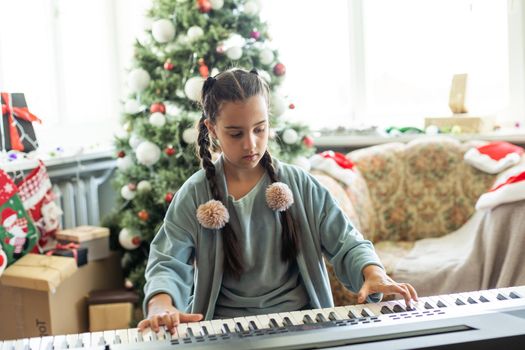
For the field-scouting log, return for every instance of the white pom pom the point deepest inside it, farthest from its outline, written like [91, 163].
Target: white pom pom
[190, 135]
[266, 56]
[157, 119]
[163, 30]
[213, 214]
[217, 4]
[138, 80]
[193, 88]
[290, 136]
[128, 239]
[251, 8]
[277, 105]
[148, 153]
[124, 163]
[126, 193]
[279, 196]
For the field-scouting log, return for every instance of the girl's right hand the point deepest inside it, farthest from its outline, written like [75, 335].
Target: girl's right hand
[164, 314]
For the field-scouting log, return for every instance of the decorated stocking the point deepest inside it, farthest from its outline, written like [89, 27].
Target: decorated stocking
[18, 235]
[3, 261]
[36, 193]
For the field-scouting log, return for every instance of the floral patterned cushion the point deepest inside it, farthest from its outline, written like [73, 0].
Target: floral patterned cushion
[420, 189]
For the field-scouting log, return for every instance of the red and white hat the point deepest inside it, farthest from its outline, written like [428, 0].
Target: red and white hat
[494, 157]
[335, 164]
[511, 189]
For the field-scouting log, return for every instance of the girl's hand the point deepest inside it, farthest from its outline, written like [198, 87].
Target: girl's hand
[161, 312]
[377, 281]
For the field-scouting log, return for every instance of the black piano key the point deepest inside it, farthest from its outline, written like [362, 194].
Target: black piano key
[332, 316]
[515, 295]
[385, 310]
[501, 297]
[428, 306]
[365, 313]
[307, 319]
[460, 302]
[471, 301]
[483, 299]
[274, 323]
[351, 314]
[441, 304]
[225, 328]
[287, 321]
[398, 308]
[253, 325]
[204, 330]
[320, 318]
[189, 332]
[239, 327]
[410, 308]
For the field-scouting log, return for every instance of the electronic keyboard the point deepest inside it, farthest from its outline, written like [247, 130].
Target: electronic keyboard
[487, 319]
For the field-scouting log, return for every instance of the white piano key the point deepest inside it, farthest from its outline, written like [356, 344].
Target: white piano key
[206, 325]
[86, 339]
[230, 323]
[97, 339]
[133, 335]
[109, 337]
[8, 345]
[217, 326]
[243, 322]
[374, 308]
[278, 320]
[34, 343]
[163, 334]
[195, 328]
[123, 335]
[60, 342]
[182, 330]
[46, 342]
[342, 311]
[147, 335]
[297, 317]
[71, 340]
[264, 320]
[22, 344]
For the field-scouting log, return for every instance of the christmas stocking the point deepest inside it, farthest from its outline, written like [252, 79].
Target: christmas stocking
[37, 195]
[18, 235]
[334, 164]
[494, 157]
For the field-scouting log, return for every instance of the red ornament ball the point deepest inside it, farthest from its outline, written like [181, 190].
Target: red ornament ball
[136, 241]
[204, 71]
[168, 65]
[168, 197]
[279, 69]
[204, 6]
[121, 154]
[308, 141]
[143, 215]
[291, 106]
[169, 151]
[158, 107]
[255, 35]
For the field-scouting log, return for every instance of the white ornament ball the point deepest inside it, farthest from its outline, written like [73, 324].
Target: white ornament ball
[126, 193]
[234, 53]
[138, 80]
[144, 186]
[251, 8]
[217, 4]
[134, 141]
[290, 136]
[266, 76]
[432, 130]
[171, 109]
[132, 107]
[190, 135]
[157, 119]
[277, 105]
[124, 163]
[266, 56]
[193, 88]
[163, 30]
[302, 162]
[194, 33]
[128, 239]
[148, 153]
[214, 72]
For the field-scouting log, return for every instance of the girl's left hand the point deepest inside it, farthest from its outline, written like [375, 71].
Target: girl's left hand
[377, 281]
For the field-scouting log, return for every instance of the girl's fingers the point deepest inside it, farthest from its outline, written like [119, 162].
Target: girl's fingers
[143, 324]
[190, 317]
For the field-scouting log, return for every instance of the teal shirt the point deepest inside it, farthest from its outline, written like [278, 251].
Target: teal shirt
[186, 259]
[268, 284]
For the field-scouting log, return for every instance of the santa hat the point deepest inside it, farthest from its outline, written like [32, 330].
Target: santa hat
[7, 213]
[494, 157]
[335, 164]
[510, 189]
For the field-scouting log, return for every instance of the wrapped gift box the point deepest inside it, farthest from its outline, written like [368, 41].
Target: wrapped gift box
[39, 312]
[16, 131]
[94, 238]
[468, 124]
[111, 309]
[72, 250]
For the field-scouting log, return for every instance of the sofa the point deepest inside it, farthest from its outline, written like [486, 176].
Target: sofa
[402, 193]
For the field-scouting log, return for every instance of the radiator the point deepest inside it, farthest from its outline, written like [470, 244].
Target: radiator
[78, 192]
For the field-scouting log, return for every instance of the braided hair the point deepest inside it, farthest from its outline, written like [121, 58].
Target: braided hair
[231, 86]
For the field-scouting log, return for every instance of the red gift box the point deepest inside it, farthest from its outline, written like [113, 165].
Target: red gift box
[16, 128]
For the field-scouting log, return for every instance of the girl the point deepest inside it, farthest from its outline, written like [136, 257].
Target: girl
[247, 234]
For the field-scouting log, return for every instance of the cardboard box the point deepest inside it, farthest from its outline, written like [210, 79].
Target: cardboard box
[33, 313]
[94, 238]
[468, 124]
[105, 317]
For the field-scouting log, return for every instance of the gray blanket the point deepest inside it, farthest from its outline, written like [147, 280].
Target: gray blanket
[487, 252]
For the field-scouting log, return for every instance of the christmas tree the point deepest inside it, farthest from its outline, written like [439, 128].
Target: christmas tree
[187, 42]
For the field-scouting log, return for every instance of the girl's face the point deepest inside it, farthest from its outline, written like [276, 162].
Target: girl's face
[242, 130]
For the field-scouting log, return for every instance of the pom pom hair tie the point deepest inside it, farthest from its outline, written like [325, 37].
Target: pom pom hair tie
[214, 215]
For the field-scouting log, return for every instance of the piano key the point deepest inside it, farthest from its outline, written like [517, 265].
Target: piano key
[60, 342]
[352, 312]
[228, 326]
[182, 330]
[288, 319]
[398, 308]
[297, 317]
[366, 312]
[515, 295]
[307, 319]
[123, 335]
[9, 345]
[459, 302]
[195, 328]
[341, 311]
[147, 335]
[320, 318]
[133, 335]
[109, 337]
[374, 309]
[206, 328]
[46, 342]
[501, 297]
[22, 344]
[241, 324]
[34, 343]
[253, 322]
[97, 338]
[386, 310]
[217, 326]
[275, 320]
[333, 315]
[71, 340]
[85, 338]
